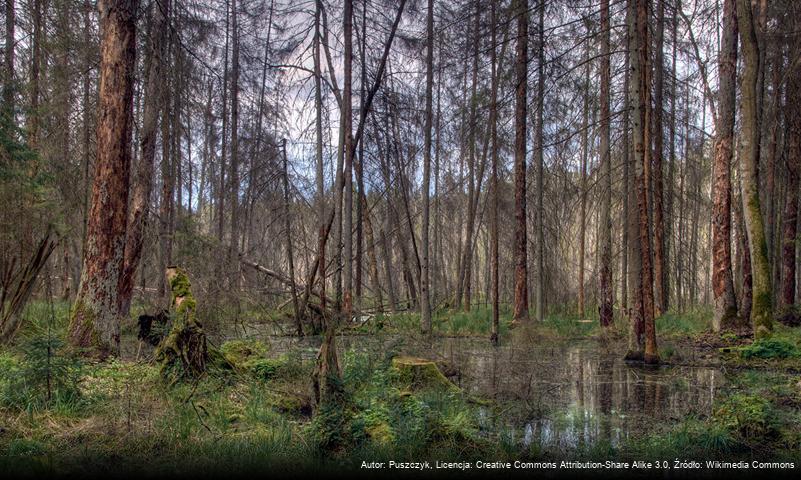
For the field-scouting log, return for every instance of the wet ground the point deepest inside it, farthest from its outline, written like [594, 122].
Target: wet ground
[549, 395]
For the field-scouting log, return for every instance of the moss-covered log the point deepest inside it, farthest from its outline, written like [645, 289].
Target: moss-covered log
[183, 352]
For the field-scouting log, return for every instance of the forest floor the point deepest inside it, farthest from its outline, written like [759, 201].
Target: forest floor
[719, 397]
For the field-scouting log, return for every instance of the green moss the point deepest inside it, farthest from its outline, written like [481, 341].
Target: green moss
[770, 348]
[239, 352]
[180, 286]
[763, 304]
[752, 416]
[78, 332]
[183, 353]
[420, 374]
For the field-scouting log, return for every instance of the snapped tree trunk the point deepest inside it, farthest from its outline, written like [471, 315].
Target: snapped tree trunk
[183, 352]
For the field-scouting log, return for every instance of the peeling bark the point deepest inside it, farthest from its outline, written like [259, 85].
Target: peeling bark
[95, 322]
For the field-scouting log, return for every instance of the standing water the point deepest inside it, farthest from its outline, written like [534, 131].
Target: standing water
[549, 394]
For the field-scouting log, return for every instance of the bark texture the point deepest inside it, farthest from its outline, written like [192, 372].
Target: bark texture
[725, 307]
[521, 74]
[790, 228]
[762, 305]
[605, 276]
[95, 321]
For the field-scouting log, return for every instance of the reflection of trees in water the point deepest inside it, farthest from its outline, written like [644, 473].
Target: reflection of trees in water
[559, 394]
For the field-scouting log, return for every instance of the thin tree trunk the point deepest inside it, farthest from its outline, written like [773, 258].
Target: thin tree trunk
[793, 163]
[347, 216]
[140, 195]
[669, 193]
[288, 231]
[224, 145]
[605, 287]
[425, 306]
[234, 172]
[36, 63]
[638, 194]
[625, 253]
[371, 254]
[495, 288]
[661, 290]
[583, 187]
[642, 149]
[9, 82]
[746, 294]
[540, 161]
[358, 166]
[318, 124]
[521, 81]
[725, 311]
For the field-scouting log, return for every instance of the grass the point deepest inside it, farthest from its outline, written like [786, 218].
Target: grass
[686, 324]
[566, 325]
[256, 416]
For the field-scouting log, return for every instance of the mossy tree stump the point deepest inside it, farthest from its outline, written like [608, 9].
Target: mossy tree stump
[421, 374]
[183, 352]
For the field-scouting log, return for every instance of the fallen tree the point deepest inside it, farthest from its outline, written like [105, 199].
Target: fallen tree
[17, 284]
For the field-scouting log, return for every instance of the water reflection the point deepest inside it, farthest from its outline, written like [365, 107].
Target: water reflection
[555, 395]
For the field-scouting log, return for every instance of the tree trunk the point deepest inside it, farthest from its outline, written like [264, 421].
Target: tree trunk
[371, 254]
[36, 64]
[347, 114]
[793, 163]
[140, 195]
[605, 287]
[234, 172]
[9, 82]
[762, 305]
[288, 232]
[585, 125]
[224, 144]
[495, 288]
[521, 81]
[425, 306]
[661, 290]
[625, 251]
[95, 322]
[642, 150]
[540, 161]
[320, 181]
[725, 311]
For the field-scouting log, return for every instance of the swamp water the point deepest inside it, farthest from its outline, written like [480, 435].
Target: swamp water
[549, 395]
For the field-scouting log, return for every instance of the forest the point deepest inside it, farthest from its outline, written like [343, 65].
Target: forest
[329, 236]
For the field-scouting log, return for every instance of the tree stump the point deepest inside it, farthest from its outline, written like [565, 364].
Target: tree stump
[183, 352]
[421, 374]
